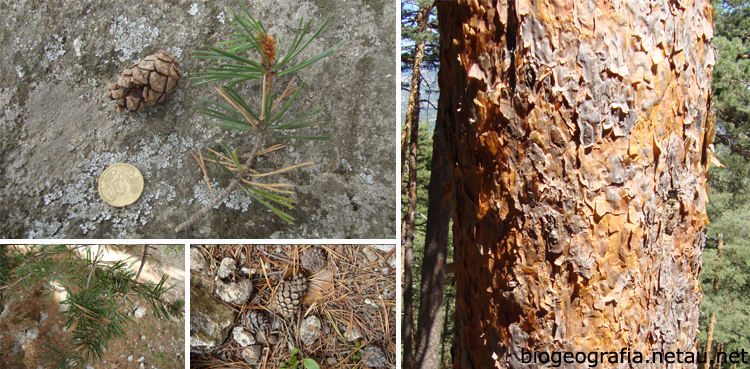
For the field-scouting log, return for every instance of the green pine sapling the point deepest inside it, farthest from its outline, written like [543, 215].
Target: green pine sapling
[230, 69]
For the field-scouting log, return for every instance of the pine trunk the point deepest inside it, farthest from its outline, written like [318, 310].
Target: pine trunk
[411, 115]
[429, 327]
[409, 144]
[580, 135]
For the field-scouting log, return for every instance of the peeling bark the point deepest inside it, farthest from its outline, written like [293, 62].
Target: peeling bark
[580, 136]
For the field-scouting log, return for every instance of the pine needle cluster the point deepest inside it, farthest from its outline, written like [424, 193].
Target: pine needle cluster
[230, 67]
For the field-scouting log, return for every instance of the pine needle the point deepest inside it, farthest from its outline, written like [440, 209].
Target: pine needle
[236, 106]
[285, 94]
[282, 170]
[271, 186]
[202, 164]
[271, 149]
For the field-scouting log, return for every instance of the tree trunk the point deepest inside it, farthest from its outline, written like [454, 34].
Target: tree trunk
[580, 138]
[407, 226]
[709, 340]
[411, 115]
[429, 327]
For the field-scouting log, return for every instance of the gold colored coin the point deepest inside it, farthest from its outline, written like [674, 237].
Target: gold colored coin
[121, 185]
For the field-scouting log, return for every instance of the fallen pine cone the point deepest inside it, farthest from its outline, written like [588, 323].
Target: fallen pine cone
[313, 259]
[146, 83]
[288, 296]
[256, 320]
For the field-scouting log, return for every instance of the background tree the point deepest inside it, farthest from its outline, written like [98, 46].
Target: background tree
[409, 144]
[580, 138]
[728, 209]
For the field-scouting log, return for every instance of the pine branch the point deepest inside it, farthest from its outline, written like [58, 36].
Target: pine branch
[232, 186]
[124, 296]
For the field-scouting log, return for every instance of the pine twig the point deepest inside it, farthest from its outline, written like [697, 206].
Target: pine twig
[143, 262]
[235, 182]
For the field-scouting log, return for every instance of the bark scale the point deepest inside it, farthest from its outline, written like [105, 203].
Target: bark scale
[580, 134]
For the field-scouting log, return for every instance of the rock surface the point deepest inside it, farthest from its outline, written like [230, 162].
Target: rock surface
[243, 337]
[58, 132]
[234, 292]
[197, 260]
[251, 354]
[139, 312]
[375, 356]
[228, 265]
[309, 330]
[210, 320]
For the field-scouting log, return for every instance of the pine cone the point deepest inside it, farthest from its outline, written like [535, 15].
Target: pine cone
[288, 296]
[313, 259]
[146, 83]
[255, 320]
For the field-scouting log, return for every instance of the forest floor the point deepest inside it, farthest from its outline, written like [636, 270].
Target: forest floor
[160, 343]
[355, 303]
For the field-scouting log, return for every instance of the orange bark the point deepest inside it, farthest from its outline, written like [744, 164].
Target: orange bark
[580, 134]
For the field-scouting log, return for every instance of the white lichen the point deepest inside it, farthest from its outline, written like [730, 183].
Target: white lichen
[193, 9]
[131, 37]
[54, 49]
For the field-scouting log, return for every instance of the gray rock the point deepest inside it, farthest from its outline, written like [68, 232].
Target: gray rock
[58, 132]
[309, 330]
[130, 357]
[235, 292]
[375, 356]
[140, 312]
[352, 334]
[227, 267]
[210, 320]
[197, 260]
[23, 339]
[251, 354]
[372, 256]
[243, 337]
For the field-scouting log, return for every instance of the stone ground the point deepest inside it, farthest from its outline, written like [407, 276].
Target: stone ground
[58, 132]
[161, 343]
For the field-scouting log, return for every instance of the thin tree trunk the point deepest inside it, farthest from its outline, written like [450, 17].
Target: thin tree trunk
[427, 350]
[407, 242]
[580, 138]
[411, 115]
[709, 340]
[411, 126]
[712, 323]
[445, 333]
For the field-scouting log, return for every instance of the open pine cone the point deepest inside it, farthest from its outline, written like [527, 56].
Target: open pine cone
[288, 296]
[255, 320]
[146, 83]
[313, 259]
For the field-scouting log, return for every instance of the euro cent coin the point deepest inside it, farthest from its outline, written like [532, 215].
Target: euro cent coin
[121, 185]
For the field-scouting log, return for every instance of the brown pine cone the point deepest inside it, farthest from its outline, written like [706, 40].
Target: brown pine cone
[146, 83]
[256, 320]
[313, 259]
[288, 296]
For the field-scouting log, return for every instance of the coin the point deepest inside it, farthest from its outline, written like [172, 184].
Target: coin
[121, 185]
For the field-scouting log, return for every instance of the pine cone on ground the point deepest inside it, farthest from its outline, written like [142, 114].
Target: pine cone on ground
[313, 259]
[146, 83]
[288, 296]
[256, 320]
